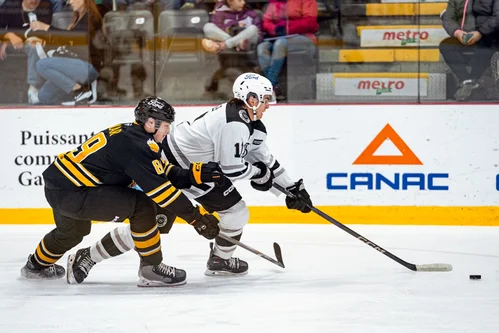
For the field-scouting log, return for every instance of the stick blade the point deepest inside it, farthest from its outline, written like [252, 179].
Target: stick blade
[434, 268]
[278, 254]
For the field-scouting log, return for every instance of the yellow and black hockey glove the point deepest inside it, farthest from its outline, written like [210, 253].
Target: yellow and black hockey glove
[206, 173]
[205, 224]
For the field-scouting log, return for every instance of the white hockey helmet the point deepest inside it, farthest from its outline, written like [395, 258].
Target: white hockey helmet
[248, 84]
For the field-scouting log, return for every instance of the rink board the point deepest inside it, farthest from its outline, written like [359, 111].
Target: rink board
[403, 215]
[368, 164]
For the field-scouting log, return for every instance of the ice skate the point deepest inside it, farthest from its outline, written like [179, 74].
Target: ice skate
[52, 272]
[79, 265]
[160, 276]
[220, 266]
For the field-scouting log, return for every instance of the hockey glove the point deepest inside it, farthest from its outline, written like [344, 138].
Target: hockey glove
[165, 219]
[301, 198]
[206, 173]
[205, 224]
[263, 181]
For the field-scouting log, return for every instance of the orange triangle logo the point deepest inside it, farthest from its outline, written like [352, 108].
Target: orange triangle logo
[407, 157]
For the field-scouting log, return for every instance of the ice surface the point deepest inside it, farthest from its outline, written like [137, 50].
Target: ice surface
[332, 283]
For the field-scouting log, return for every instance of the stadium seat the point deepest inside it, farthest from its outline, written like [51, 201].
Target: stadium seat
[127, 32]
[180, 34]
[62, 20]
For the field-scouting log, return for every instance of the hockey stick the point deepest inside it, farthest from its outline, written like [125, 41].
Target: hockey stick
[277, 250]
[412, 267]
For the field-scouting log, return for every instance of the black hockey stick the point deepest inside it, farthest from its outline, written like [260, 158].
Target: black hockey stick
[277, 250]
[412, 267]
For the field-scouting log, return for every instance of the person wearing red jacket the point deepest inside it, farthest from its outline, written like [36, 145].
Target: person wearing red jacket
[291, 25]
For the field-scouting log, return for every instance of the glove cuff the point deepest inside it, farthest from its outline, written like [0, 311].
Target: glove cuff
[196, 172]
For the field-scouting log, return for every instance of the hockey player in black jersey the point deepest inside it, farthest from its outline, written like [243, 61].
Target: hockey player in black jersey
[233, 135]
[92, 182]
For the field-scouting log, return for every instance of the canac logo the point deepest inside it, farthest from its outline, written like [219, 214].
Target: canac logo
[406, 37]
[379, 181]
[381, 87]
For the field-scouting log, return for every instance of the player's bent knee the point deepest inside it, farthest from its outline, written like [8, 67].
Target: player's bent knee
[234, 218]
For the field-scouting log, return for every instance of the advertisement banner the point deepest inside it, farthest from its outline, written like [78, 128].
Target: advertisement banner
[426, 164]
[402, 37]
[380, 86]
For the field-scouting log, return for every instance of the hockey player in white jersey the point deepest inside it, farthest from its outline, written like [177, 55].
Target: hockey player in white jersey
[233, 135]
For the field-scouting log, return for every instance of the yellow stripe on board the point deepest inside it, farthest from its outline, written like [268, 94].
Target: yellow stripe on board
[393, 27]
[382, 75]
[371, 55]
[389, 9]
[393, 215]
[414, 55]
[404, 9]
[389, 55]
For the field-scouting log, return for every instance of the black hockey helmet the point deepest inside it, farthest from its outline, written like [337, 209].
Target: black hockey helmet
[156, 108]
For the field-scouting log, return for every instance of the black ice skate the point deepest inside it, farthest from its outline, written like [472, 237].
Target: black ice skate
[79, 265]
[220, 266]
[160, 276]
[52, 272]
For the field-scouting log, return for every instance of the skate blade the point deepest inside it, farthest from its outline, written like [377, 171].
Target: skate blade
[26, 274]
[144, 283]
[209, 272]
[69, 270]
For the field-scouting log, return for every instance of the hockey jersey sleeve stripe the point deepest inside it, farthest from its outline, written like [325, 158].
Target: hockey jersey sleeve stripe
[164, 195]
[276, 168]
[172, 199]
[176, 148]
[159, 189]
[231, 167]
[168, 168]
[279, 172]
[84, 170]
[76, 173]
[238, 174]
[66, 174]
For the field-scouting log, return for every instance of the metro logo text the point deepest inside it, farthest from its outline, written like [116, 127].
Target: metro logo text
[381, 86]
[406, 37]
[374, 181]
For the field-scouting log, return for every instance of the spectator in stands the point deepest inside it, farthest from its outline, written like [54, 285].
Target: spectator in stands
[233, 26]
[178, 4]
[149, 4]
[19, 33]
[291, 24]
[472, 28]
[67, 72]
[57, 5]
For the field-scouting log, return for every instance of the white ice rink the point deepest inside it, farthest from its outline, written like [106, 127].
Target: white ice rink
[332, 283]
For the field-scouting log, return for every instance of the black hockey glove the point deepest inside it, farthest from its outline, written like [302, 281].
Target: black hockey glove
[206, 173]
[301, 198]
[263, 181]
[205, 224]
[165, 219]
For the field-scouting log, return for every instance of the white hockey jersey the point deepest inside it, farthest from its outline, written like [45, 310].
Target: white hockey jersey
[225, 135]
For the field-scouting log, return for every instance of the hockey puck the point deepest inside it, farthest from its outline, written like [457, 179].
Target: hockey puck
[475, 277]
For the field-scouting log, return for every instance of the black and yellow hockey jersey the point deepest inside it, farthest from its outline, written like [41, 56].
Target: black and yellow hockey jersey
[120, 155]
